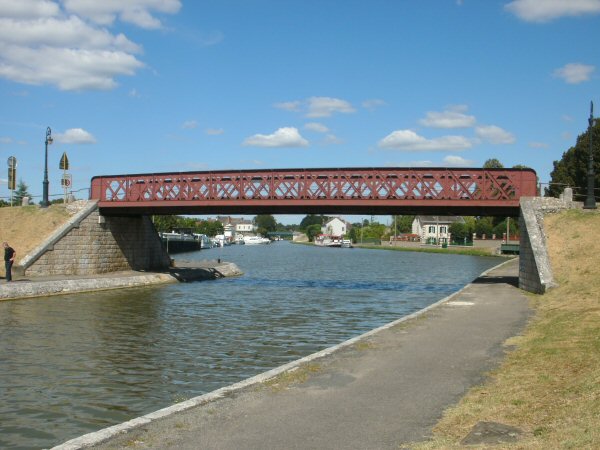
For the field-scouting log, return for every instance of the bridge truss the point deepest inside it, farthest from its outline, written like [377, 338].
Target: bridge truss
[318, 191]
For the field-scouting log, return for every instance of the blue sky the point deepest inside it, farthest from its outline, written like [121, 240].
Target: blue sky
[179, 85]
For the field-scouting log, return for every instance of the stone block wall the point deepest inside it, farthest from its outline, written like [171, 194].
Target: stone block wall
[94, 244]
[535, 272]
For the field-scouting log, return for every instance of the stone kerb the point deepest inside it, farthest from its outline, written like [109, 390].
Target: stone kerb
[535, 271]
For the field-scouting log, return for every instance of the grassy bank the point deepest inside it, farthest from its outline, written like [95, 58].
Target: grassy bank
[446, 251]
[449, 250]
[26, 227]
[550, 385]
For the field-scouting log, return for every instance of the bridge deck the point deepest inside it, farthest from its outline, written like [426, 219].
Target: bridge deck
[318, 191]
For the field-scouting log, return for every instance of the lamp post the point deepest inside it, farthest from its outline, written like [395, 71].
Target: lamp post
[45, 183]
[590, 201]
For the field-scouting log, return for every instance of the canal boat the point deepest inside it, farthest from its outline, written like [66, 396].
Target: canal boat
[346, 243]
[328, 240]
[254, 240]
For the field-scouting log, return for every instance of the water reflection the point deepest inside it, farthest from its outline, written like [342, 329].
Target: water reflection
[76, 363]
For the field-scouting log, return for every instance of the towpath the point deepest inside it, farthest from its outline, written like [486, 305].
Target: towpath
[388, 388]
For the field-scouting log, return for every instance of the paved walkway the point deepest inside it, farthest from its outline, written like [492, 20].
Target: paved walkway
[384, 390]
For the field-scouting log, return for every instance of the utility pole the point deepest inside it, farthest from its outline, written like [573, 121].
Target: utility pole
[590, 201]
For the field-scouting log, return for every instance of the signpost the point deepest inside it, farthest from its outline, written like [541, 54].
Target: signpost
[12, 176]
[66, 180]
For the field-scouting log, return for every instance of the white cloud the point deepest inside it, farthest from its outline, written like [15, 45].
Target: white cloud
[408, 140]
[453, 117]
[547, 10]
[457, 161]
[423, 163]
[327, 106]
[332, 139]
[493, 134]
[5, 140]
[538, 145]
[283, 137]
[373, 103]
[71, 32]
[574, 73]
[288, 106]
[40, 44]
[136, 12]
[189, 125]
[214, 131]
[26, 9]
[75, 136]
[317, 106]
[316, 127]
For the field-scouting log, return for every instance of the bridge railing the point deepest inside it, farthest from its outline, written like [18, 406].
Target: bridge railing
[483, 186]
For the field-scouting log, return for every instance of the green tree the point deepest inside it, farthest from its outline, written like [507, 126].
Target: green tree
[165, 224]
[265, 222]
[500, 229]
[20, 192]
[403, 223]
[209, 227]
[460, 231]
[493, 163]
[312, 231]
[484, 225]
[571, 169]
[312, 219]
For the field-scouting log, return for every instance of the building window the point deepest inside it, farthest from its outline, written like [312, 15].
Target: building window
[443, 230]
[432, 229]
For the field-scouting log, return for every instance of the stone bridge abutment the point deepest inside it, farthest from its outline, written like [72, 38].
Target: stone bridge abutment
[90, 244]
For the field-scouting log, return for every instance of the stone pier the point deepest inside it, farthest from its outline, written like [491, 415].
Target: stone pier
[90, 243]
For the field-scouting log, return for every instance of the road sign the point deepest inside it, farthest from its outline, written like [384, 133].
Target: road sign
[12, 176]
[64, 162]
[66, 180]
[12, 161]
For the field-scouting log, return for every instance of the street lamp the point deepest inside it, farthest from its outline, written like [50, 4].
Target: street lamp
[45, 183]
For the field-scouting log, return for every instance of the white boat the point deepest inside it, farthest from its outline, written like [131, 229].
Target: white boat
[253, 240]
[346, 243]
[327, 240]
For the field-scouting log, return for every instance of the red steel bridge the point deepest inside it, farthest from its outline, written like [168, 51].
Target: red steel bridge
[389, 190]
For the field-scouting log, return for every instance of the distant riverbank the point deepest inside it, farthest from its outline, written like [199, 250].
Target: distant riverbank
[468, 251]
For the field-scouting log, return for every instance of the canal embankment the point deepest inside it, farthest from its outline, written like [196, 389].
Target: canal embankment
[378, 390]
[181, 271]
[76, 236]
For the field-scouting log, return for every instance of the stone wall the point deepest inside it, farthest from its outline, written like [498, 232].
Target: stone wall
[535, 272]
[92, 244]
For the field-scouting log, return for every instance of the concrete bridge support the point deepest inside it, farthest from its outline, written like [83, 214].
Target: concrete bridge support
[535, 272]
[92, 244]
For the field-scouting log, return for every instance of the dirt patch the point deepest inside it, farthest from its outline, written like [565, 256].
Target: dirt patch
[26, 227]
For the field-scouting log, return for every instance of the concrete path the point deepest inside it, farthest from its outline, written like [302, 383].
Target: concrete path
[385, 389]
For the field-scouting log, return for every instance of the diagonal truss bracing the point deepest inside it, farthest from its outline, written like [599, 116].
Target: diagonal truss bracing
[307, 190]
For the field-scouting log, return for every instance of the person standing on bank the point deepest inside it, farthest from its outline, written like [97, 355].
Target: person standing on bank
[9, 259]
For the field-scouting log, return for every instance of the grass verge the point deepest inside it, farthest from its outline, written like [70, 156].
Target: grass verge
[445, 251]
[26, 227]
[550, 385]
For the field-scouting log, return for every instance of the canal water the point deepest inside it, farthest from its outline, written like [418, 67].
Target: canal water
[77, 363]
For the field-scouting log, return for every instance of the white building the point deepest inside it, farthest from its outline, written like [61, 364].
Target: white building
[434, 228]
[244, 226]
[335, 227]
